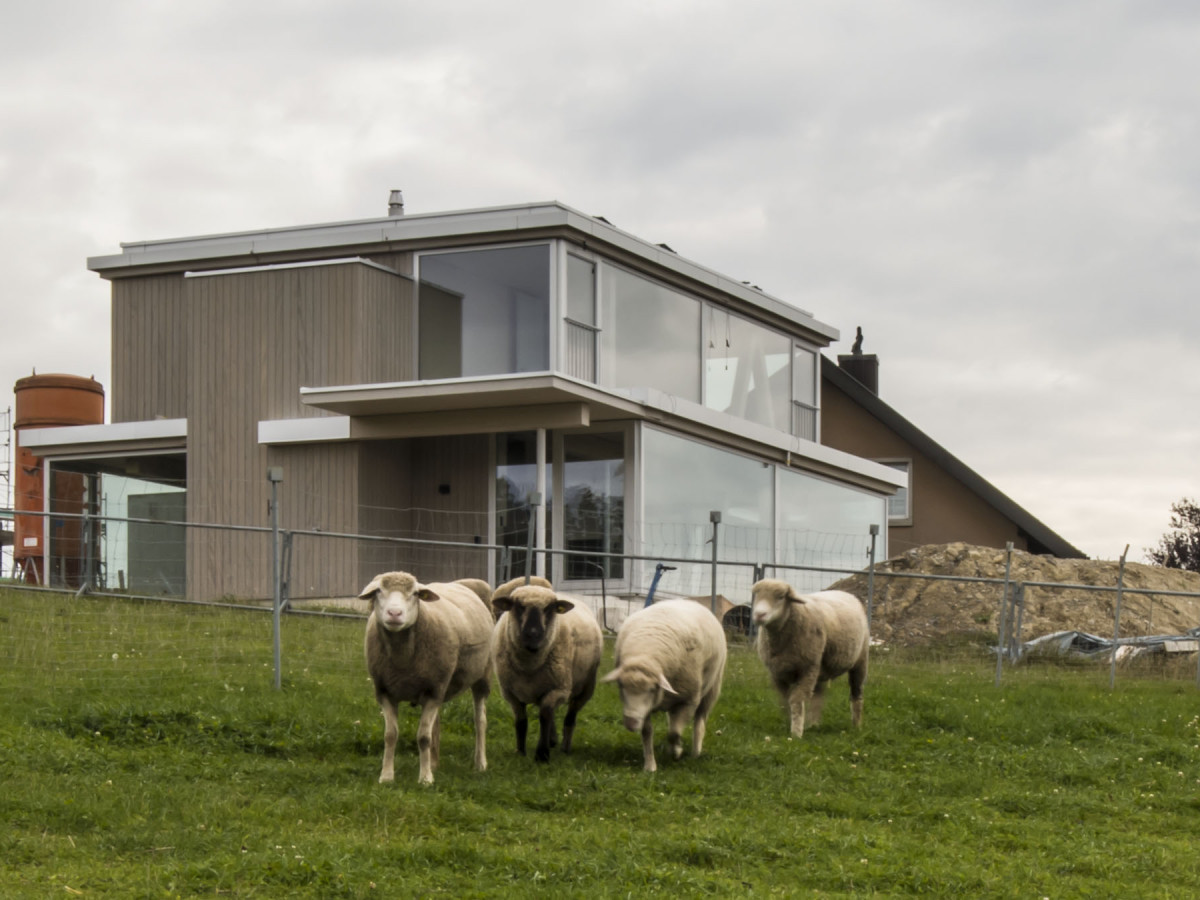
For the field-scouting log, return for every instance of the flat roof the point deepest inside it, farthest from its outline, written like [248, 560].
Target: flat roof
[424, 227]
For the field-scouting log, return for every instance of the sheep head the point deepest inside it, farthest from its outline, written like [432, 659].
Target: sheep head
[642, 689]
[533, 615]
[395, 599]
[769, 601]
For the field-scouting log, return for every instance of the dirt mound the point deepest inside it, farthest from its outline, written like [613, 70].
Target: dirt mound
[915, 611]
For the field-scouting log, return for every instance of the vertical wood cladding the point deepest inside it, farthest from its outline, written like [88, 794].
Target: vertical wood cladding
[258, 337]
[150, 349]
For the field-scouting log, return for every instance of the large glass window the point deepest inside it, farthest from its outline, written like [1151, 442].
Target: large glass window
[684, 482]
[593, 504]
[516, 481]
[822, 523]
[484, 312]
[747, 370]
[140, 557]
[650, 335]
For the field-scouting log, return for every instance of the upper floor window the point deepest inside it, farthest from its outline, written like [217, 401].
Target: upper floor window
[747, 370]
[900, 503]
[649, 335]
[484, 312]
[805, 383]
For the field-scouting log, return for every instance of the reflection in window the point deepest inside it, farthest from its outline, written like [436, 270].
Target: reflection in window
[684, 482]
[516, 480]
[484, 312]
[899, 508]
[650, 335]
[747, 370]
[822, 523]
[594, 504]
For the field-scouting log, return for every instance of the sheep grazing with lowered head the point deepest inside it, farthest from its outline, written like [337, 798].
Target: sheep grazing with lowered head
[547, 650]
[669, 656]
[805, 641]
[426, 643]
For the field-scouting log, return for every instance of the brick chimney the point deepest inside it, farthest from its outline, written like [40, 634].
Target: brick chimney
[862, 367]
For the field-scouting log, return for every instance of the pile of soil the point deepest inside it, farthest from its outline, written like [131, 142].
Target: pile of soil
[914, 612]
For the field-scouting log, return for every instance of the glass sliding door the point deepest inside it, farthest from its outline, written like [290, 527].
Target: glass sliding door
[593, 505]
[516, 482]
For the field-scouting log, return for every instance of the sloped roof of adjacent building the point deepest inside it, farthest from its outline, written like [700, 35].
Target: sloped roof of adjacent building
[1041, 537]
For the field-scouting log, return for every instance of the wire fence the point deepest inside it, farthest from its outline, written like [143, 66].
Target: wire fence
[272, 576]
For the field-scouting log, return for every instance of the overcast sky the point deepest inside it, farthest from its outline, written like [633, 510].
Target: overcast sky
[1004, 195]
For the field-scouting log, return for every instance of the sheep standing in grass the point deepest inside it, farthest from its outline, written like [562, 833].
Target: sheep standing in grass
[805, 641]
[426, 643]
[547, 650]
[669, 656]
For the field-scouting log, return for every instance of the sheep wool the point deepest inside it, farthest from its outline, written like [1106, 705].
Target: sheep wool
[807, 640]
[669, 656]
[547, 652]
[425, 644]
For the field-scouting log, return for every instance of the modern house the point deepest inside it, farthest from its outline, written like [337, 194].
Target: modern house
[458, 376]
[944, 500]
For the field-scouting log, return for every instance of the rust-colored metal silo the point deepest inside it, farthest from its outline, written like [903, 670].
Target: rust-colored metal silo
[46, 401]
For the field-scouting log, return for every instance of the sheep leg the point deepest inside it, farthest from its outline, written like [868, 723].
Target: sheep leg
[546, 736]
[858, 677]
[425, 739]
[701, 722]
[648, 763]
[391, 731]
[797, 696]
[816, 704]
[522, 724]
[480, 693]
[435, 746]
[573, 707]
[676, 720]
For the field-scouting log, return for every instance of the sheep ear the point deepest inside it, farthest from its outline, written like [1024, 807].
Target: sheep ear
[424, 593]
[666, 685]
[562, 606]
[612, 676]
[368, 593]
[793, 597]
[504, 604]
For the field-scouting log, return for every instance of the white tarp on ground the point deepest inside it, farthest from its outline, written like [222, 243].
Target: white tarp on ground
[1080, 643]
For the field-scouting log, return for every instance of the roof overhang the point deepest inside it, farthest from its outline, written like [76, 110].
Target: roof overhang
[420, 231]
[156, 435]
[547, 400]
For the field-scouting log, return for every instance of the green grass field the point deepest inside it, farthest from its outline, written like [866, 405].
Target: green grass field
[144, 753]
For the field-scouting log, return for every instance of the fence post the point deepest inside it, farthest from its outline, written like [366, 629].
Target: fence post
[871, 577]
[1016, 640]
[1003, 611]
[715, 517]
[274, 476]
[1112, 668]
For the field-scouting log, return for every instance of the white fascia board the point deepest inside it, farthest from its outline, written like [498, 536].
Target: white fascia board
[311, 430]
[151, 430]
[797, 447]
[310, 264]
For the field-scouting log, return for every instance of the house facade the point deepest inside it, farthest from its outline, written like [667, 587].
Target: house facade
[474, 377]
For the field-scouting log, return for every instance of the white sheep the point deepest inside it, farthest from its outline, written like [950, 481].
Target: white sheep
[426, 643]
[669, 656]
[805, 641]
[546, 651]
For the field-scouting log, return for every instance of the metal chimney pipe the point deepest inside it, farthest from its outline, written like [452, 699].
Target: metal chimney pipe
[396, 203]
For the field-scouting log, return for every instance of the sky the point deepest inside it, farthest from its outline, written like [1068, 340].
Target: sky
[1004, 195]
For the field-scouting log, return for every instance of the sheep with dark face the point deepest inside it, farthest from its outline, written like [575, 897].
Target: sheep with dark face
[546, 650]
[669, 656]
[807, 640]
[425, 644]
[506, 589]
